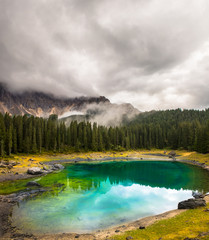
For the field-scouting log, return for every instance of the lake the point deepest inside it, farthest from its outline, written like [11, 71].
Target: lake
[91, 196]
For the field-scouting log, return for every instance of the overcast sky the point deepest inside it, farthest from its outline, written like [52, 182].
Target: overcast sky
[151, 53]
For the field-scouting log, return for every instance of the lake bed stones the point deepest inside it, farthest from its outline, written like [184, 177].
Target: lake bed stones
[33, 184]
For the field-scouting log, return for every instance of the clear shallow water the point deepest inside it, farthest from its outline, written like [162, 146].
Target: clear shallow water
[93, 196]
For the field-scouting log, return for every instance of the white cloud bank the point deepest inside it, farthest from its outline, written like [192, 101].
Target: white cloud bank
[151, 53]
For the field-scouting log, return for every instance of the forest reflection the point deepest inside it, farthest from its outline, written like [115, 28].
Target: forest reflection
[162, 174]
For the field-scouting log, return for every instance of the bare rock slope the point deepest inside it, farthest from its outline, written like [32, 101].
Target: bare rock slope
[40, 104]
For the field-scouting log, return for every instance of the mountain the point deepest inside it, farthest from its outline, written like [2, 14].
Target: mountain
[104, 113]
[40, 104]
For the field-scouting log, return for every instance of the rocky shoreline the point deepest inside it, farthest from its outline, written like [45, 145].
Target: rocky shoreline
[13, 177]
[7, 231]
[7, 202]
[196, 163]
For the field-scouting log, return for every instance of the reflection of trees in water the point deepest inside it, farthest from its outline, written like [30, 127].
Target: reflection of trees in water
[173, 175]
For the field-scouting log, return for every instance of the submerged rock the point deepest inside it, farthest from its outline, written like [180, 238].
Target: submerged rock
[59, 185]
[33, 184]
[192, 203]
[35, 171]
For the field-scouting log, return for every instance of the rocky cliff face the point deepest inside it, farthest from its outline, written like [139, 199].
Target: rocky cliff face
[39, 104]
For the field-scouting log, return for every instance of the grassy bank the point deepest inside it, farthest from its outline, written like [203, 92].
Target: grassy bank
[24, 161]
[192, 224]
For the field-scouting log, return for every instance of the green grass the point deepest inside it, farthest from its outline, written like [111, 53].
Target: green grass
[188, 224]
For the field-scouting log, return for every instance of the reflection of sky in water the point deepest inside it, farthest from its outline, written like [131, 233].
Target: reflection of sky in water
[101, 195]
[126, 203]
[103, 207]
[143, 198]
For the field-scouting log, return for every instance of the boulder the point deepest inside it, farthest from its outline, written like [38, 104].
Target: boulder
[33, 184]
[35, 171]
[10, 166]
[192, 203]
[5, 162]
[58, 166]
[47, 168]
[2, 165]
[197, 194]
[172, 154]
[13, 163]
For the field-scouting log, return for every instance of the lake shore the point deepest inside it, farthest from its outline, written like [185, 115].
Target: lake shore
[24, 162]
[7, 231]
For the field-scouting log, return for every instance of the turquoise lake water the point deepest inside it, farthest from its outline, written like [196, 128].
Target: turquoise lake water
[92, 196]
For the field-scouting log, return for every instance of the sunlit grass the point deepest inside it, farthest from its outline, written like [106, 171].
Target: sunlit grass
[24, 160]
[188, 224]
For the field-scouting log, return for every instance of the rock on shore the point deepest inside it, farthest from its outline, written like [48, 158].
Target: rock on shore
[57, 167]
[35, 171]
[192, 203]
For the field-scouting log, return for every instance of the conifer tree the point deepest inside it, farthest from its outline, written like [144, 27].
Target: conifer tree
[2, 135]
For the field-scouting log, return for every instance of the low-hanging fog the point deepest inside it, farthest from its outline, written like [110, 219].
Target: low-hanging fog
[102, 113]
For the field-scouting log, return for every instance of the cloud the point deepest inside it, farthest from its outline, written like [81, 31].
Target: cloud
[151, 53]
[142, 200]
[71, 113]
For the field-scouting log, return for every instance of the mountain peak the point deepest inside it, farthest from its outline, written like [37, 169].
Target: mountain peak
[40, 104]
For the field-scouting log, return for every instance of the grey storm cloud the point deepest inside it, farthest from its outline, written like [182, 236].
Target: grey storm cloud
[152, 53]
